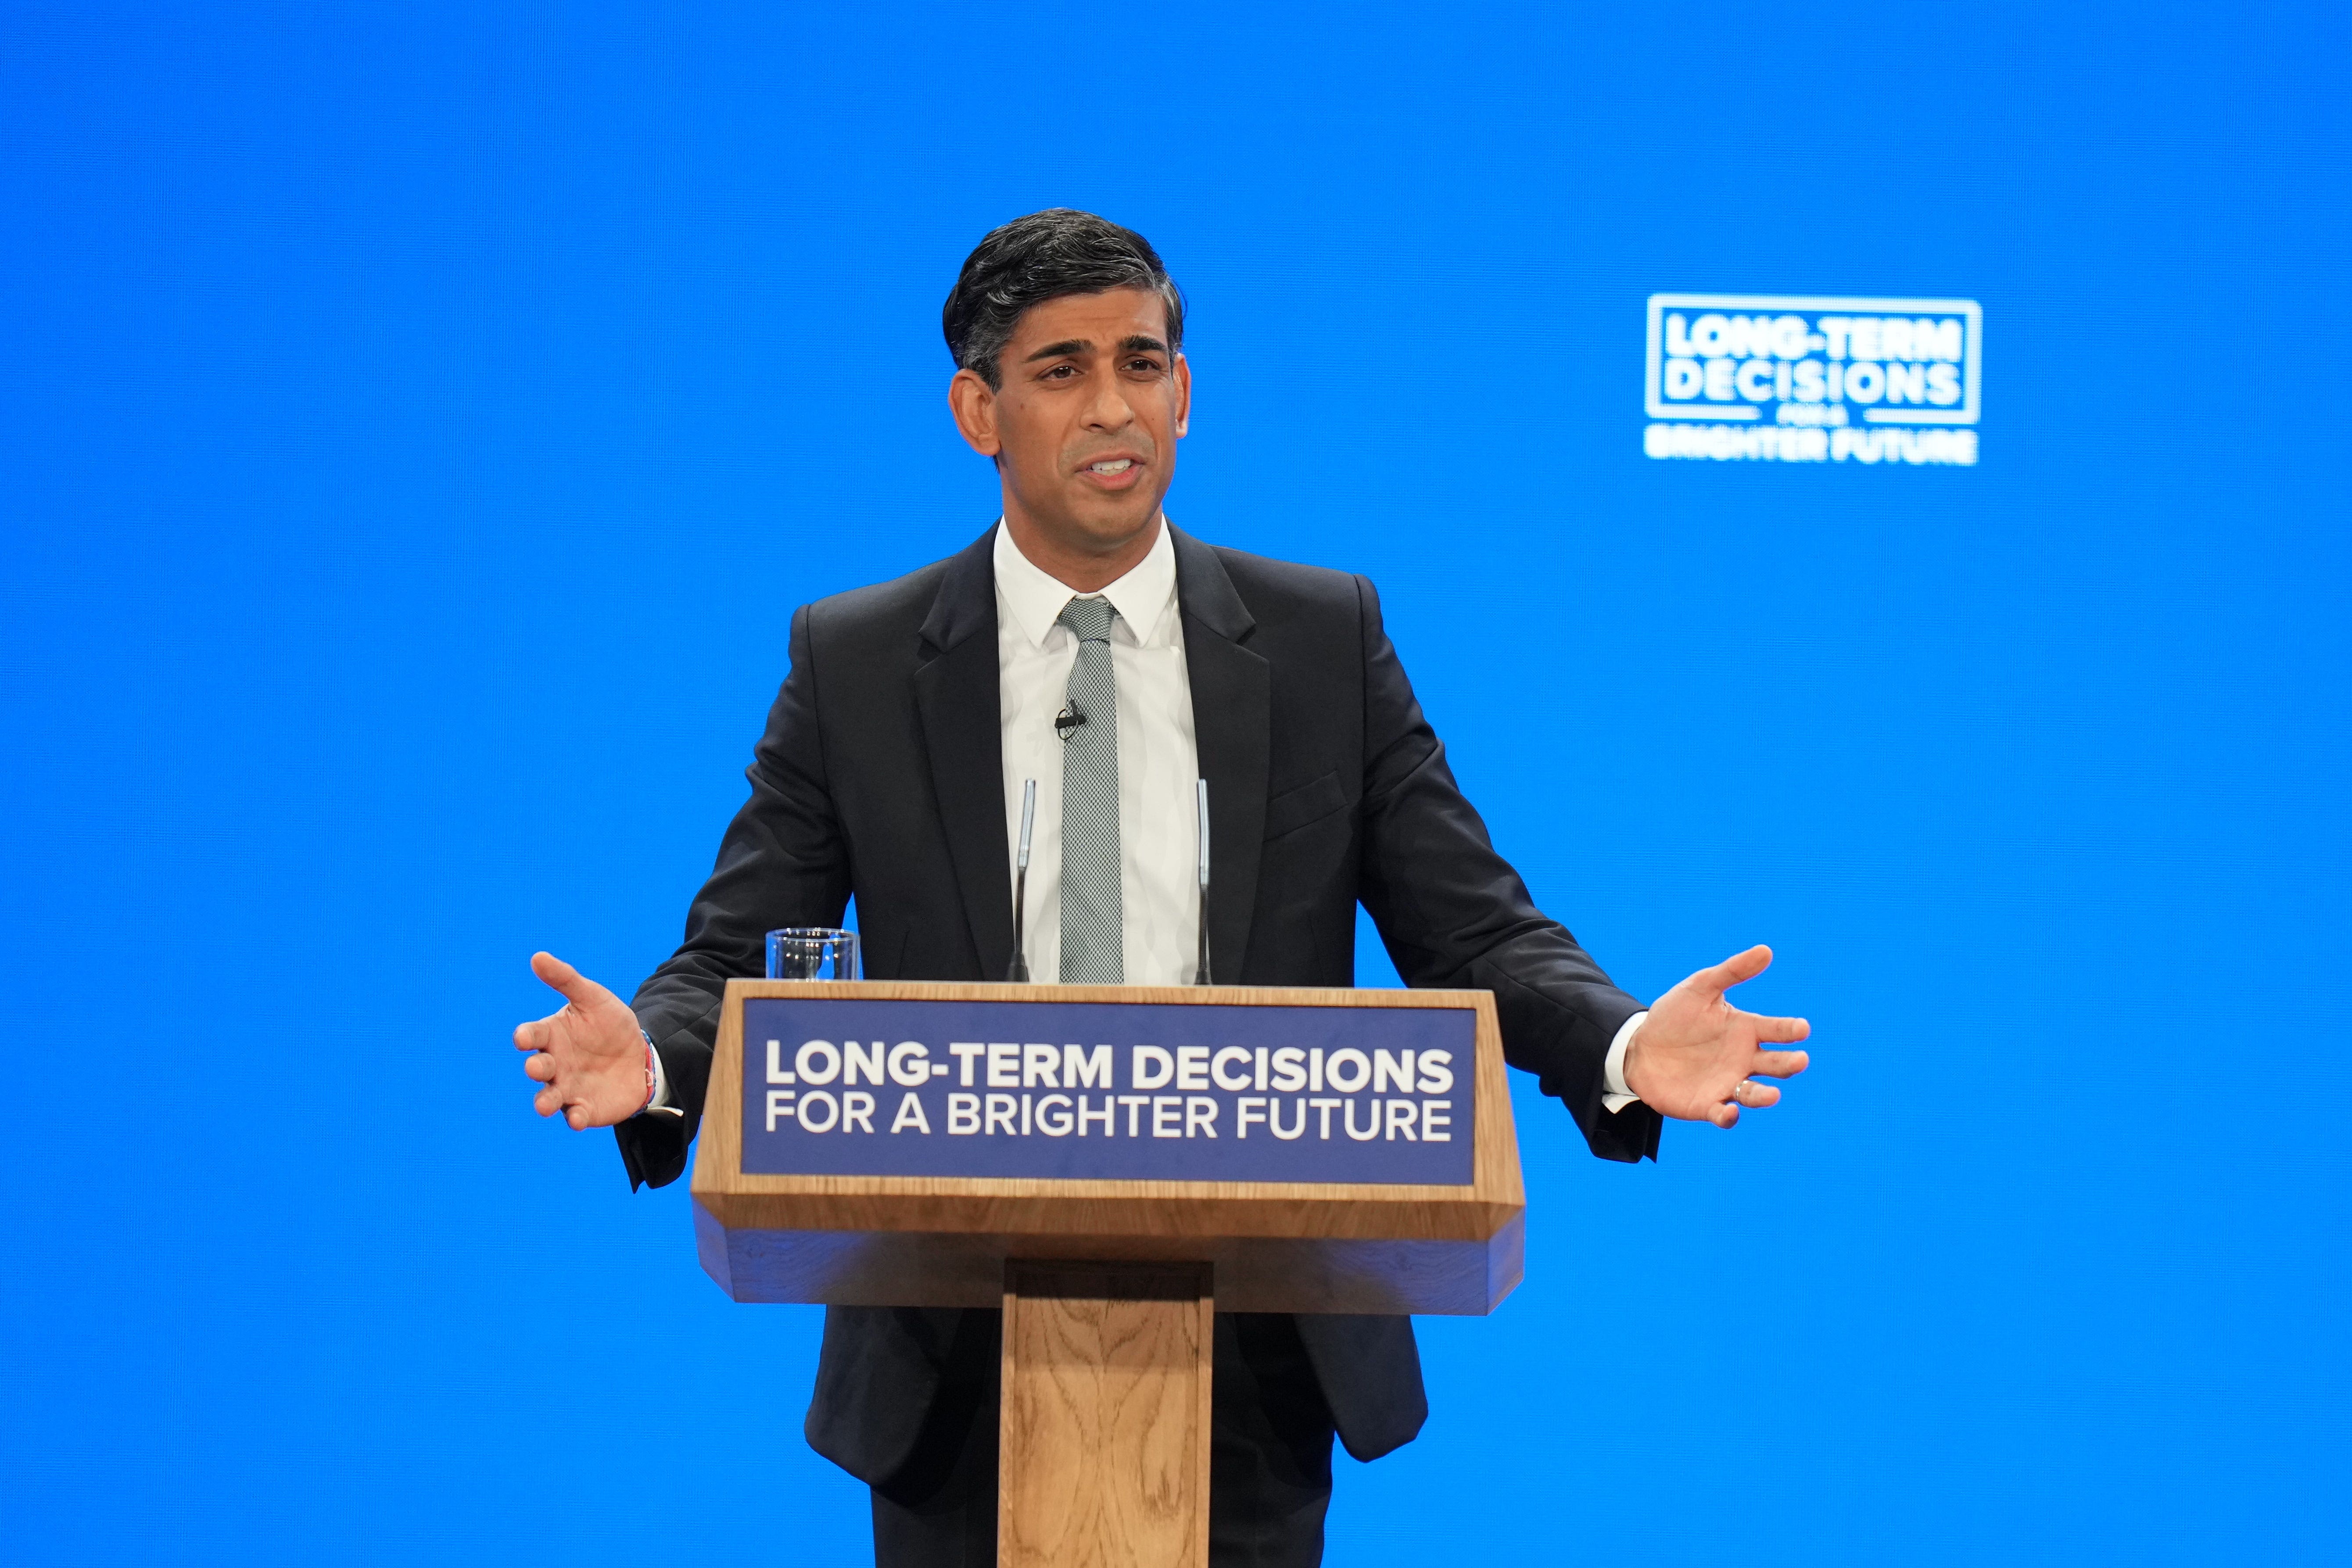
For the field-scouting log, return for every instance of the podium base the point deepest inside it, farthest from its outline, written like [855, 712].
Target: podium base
[1104, 1454]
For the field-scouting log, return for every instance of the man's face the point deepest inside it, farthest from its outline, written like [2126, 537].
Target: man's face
[1085, 424]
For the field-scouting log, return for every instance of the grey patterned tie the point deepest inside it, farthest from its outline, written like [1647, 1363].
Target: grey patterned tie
[1091, 917]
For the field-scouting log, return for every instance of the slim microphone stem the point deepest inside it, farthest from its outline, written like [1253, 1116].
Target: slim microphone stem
[1019, 971]
[1200, 975]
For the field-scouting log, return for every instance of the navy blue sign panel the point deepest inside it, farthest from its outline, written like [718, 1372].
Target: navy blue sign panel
[1113, 1091]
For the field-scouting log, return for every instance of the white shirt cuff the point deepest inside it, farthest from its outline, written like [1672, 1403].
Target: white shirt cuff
[1614, 1094]
[660, 1101]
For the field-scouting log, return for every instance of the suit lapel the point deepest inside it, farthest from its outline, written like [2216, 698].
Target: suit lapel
[956, 691]
[1232, 708]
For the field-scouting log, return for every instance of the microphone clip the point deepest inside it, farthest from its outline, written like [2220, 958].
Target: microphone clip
[1066, 721]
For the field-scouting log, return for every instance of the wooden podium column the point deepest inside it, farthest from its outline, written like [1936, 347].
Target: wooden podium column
[1104, 1460]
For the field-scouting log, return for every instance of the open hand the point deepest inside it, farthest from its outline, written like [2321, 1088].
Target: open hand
[1693, 1055]
[590, 1054]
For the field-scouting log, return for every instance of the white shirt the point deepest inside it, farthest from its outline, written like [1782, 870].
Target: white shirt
[1159, 763]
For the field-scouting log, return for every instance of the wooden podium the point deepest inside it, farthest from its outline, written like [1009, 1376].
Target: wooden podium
[1109, 1164]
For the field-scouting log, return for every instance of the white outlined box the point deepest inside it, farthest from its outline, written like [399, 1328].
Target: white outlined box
[1707, 401]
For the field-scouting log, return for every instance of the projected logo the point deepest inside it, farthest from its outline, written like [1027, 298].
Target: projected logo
[1806, 379]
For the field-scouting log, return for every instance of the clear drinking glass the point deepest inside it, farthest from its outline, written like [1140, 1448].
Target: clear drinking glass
[812, 952]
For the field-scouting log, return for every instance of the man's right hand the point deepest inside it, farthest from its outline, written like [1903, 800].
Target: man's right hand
[590, 1054]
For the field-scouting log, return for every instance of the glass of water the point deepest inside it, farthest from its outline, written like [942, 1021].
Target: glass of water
[812, 952]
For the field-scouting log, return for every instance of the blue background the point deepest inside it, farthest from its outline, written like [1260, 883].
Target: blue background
[417, 423]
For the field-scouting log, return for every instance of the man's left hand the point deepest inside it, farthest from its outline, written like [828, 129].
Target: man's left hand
[1696, 1057]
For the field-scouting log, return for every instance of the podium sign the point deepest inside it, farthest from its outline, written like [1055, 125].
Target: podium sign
[1109, 1092]
[899, 1142]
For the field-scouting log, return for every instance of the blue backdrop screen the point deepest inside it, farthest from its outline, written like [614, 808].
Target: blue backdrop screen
[421, 422]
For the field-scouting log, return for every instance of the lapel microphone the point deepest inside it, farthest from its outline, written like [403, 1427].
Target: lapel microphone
[1066, 721]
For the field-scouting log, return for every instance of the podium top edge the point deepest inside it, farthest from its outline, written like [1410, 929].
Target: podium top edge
[1156, 995]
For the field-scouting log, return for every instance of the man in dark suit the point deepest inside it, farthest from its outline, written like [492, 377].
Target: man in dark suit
[1082, 636]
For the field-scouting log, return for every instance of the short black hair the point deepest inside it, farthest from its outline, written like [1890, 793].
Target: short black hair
[1044, 257]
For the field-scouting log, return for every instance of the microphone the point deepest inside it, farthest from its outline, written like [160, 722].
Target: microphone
[1200, 975]
[1066, 721]
[1019, 970]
